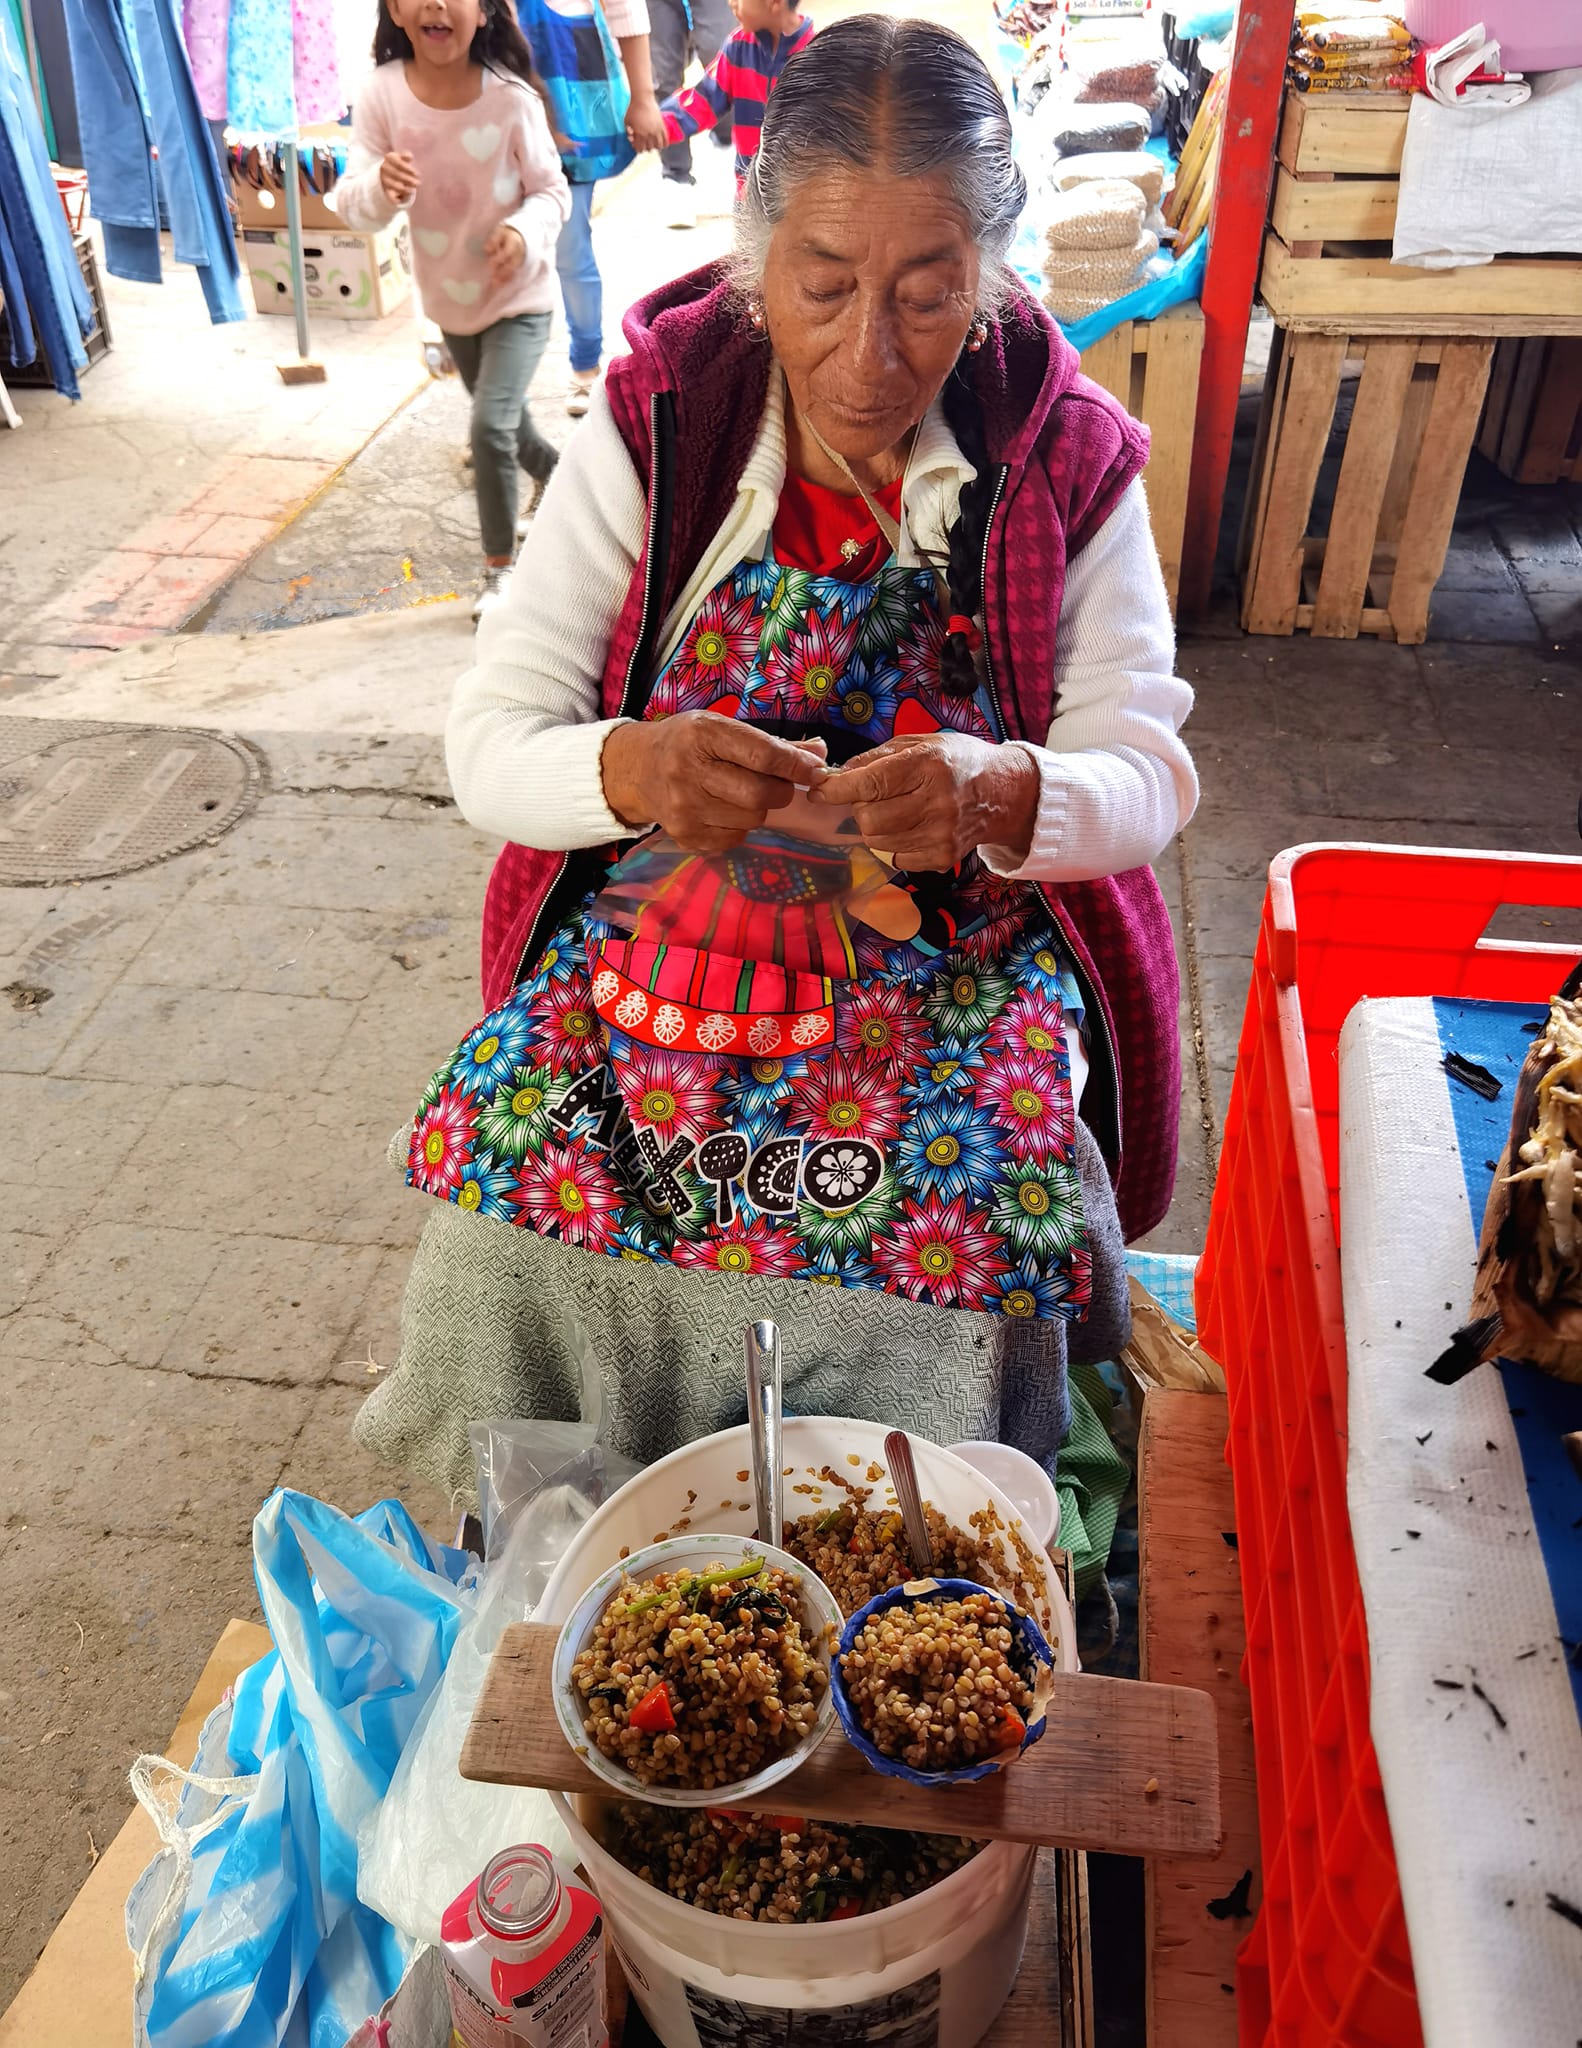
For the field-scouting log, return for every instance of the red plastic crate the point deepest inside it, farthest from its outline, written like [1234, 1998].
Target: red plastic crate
[1327, 1964]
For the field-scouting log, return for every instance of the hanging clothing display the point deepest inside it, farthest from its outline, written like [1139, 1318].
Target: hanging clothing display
[262, 66]
[205, 29]
[144, 137]
[46, 302]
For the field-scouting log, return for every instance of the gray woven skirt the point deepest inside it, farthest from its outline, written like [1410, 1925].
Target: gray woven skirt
[497, 1321]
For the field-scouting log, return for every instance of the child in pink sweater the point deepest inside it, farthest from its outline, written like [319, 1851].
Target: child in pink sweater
[450, 128]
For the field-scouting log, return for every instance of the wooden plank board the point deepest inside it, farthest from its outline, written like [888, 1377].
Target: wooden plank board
[1497, 401]
[1169, 404]
[1334, 209]
[1436, 488]
[1360, 133]
[1408, 446]
[1293, 455]
[1551, 449]
[1109, 361]
[1359, 496]
[1193, 1632]
[1084, 1786]
[1362, 289]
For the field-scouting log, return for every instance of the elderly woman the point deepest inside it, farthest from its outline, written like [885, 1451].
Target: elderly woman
[848, 532]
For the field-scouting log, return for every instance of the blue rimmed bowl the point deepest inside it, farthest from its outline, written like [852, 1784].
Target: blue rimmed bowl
[1030, 1652]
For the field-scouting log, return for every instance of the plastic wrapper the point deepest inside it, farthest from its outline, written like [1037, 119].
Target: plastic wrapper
[787, 895]
[1066, 129]
[538, 1482]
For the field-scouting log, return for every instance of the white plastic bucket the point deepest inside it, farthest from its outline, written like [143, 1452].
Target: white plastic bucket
[931, 1972]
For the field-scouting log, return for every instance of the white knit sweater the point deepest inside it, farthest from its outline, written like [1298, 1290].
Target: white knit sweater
[524, 738]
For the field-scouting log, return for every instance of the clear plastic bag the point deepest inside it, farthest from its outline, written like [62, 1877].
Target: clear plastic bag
[434, 1830]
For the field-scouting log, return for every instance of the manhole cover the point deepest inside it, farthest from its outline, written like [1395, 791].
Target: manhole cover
[80, 801]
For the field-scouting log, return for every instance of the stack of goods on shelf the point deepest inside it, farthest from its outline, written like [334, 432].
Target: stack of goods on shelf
[1349, 47]
[1097, 246]
[1089, 97]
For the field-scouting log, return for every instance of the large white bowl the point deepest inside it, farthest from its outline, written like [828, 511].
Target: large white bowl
[707, 1485]
[821, 1622]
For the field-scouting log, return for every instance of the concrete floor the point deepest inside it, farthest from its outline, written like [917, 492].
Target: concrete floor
[202, 1248]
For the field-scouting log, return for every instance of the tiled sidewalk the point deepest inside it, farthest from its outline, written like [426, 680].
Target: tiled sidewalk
[122, 516]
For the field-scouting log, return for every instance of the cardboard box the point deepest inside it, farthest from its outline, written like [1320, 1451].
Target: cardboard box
[255, 209]
[80, 1992]
[349, 276]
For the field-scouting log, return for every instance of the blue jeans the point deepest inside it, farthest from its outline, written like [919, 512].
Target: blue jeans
[581, 286]
[497, 366]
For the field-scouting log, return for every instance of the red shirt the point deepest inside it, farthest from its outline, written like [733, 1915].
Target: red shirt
[831, 532]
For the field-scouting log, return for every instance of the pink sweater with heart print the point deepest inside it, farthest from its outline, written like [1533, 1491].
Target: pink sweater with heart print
[478, 166]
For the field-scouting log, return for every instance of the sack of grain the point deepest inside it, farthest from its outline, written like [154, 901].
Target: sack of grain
[1142, 170]
[1106, 214]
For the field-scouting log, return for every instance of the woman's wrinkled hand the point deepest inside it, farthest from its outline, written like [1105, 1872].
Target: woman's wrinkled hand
[707, 780]
[927, 800]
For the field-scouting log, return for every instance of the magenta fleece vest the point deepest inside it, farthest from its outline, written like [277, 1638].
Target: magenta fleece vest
[688, 402]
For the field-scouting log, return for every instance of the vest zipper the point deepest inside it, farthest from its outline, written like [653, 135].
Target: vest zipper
[653, 571]
[1097, 1026]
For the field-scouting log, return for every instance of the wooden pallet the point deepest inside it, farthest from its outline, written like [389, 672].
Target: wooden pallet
[1127, 1768]
[1193, 1632]
[1411, 431]
[1327, 261]
[1151, 366]
[1532, 419]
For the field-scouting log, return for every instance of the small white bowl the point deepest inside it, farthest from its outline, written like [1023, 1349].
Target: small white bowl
[821, 1623]
[1022, 1480]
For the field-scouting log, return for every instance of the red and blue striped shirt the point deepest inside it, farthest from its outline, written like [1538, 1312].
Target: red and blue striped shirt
[740, 79]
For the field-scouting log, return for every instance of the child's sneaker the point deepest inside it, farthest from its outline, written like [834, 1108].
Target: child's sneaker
[491, 589]
[579, 392]
[681, 204]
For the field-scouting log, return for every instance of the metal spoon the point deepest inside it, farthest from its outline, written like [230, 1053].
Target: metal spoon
[903, 1476]
[761, 1343]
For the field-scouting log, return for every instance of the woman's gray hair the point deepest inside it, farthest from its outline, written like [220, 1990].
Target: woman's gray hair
[907, 97]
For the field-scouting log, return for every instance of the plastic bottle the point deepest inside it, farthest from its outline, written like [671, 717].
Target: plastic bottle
[523, 1950]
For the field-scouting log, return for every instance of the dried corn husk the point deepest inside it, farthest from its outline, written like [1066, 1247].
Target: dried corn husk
[1530, 1256]
[1163, 1354]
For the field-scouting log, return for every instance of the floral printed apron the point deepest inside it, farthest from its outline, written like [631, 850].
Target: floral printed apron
[852, 1111]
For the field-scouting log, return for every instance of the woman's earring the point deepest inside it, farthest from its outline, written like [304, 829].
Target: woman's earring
[755, 313]
[977, 335]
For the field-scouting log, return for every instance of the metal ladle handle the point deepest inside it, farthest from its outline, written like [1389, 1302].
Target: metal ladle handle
[903, 1477]
[761, 1343]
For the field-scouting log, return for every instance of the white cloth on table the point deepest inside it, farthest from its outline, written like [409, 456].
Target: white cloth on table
[1485, 181]
[1481, 1816]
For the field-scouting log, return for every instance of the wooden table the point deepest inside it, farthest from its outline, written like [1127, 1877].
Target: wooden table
[1193, 1633]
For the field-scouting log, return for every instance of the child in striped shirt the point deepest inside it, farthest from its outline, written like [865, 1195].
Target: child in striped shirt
[741, 77]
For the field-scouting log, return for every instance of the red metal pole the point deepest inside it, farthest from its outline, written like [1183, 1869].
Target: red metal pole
[1236, 229]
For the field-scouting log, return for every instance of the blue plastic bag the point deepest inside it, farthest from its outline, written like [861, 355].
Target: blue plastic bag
[1183, 281]
[247, 1929]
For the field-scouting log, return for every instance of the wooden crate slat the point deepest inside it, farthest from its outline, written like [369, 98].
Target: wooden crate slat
[1296, 451]
[1431, 510]
[1408, 445]
[1359, 497]
[1167, 404]
[1360, 133]
[1108, 361]
[1358, 290]
[1519, 405]
[1496, 403]
[1334, 209]
[1192, 1630]
[1249, 542]
[1151, 367]
[1552, 438]
[1084, 1786]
